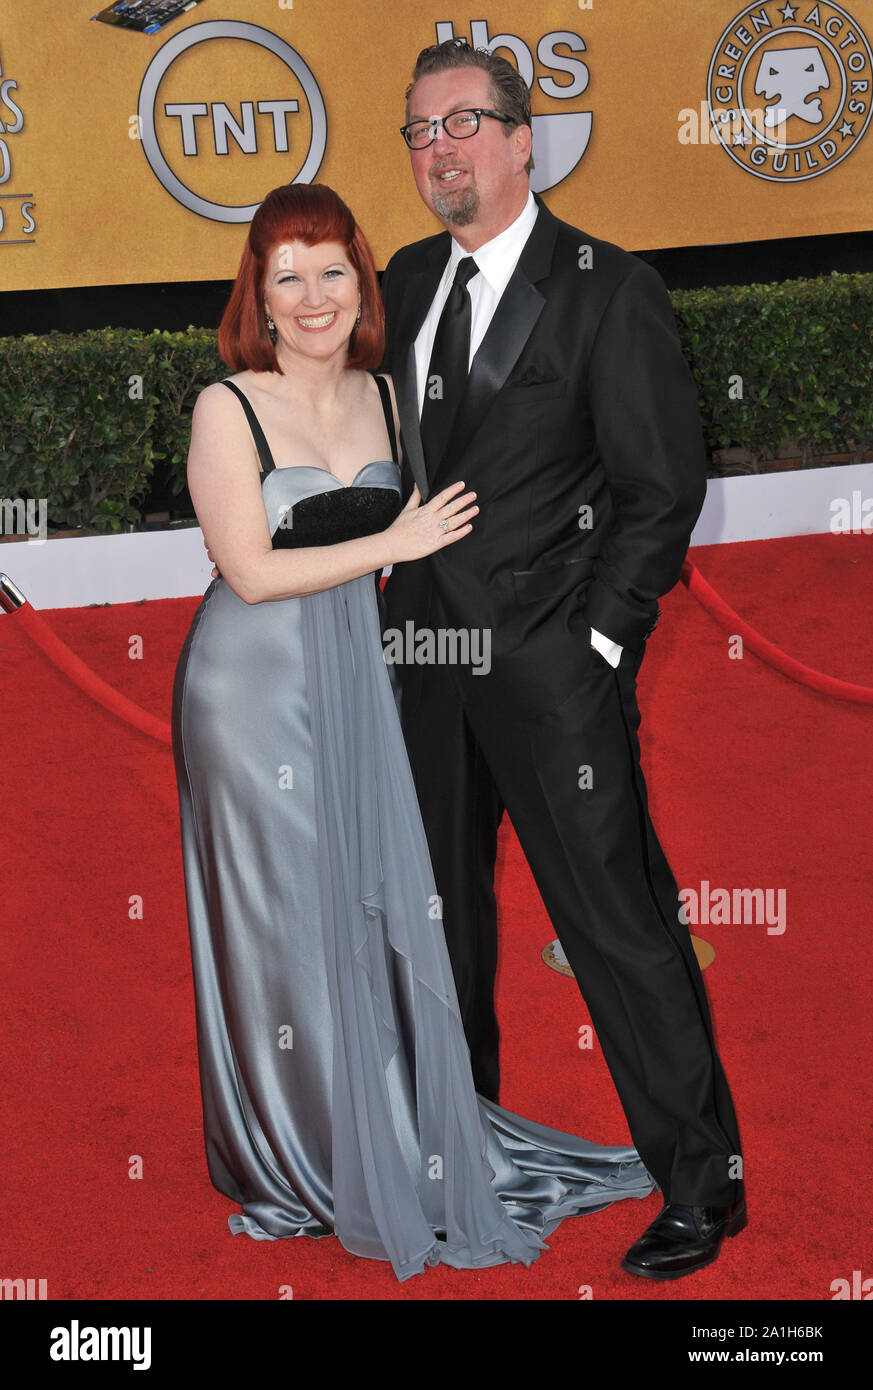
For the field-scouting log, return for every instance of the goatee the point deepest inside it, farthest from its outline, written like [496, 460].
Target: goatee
[458, 209]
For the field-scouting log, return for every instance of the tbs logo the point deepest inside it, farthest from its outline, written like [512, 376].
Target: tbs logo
[561, 138]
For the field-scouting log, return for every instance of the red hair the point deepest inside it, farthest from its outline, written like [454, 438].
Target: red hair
[311, 213]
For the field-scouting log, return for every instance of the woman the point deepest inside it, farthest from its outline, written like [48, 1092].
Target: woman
[336, 1082]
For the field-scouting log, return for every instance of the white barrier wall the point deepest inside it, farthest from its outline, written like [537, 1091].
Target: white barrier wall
[801, 503]
[75, 571]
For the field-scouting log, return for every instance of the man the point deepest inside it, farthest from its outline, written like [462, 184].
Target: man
[542, 367]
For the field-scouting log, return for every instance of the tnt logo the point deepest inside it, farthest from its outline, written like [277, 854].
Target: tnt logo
[789, 89]
[559, 138]
[215, 143]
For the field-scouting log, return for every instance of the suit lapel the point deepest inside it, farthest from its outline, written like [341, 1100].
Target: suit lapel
[514, 318]
[519, 308]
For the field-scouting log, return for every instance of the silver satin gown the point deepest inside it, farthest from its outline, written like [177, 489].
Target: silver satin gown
[335, 1077]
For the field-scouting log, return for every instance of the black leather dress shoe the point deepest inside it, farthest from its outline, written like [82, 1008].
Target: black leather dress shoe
[682, 1239]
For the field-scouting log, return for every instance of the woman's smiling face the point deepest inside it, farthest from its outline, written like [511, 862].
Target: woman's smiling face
[311, 293]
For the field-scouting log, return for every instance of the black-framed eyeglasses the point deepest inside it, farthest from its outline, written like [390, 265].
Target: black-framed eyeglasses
[460, 125]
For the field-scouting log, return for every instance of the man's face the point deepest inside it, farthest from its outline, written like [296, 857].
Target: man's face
[475, 180]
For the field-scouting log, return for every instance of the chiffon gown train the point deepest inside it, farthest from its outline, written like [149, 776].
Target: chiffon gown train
[335, 1076]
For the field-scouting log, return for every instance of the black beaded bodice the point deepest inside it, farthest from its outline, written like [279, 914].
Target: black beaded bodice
[309, 506]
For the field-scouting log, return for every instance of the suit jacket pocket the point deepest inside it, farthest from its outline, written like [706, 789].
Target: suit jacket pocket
[533, 392]
[551, 580]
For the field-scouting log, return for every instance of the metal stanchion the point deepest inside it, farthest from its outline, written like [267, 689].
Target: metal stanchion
[554, 957]
[11, 596]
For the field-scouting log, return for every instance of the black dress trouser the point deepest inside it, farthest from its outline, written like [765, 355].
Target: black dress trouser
[608, 889]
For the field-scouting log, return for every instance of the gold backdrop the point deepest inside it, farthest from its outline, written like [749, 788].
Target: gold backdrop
[127, 157]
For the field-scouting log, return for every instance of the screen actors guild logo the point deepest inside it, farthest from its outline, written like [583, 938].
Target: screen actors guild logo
[789, 89]
[204, 126]
[17, 222]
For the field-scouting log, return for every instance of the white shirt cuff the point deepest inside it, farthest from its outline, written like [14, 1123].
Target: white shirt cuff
[610, 651]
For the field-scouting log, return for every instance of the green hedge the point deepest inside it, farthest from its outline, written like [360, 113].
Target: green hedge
[85, 419]
[804, 352]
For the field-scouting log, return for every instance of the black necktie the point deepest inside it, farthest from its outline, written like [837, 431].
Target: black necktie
[447, 372]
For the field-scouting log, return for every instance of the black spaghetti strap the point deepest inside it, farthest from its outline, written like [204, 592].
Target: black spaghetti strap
[388, 412]
[258, 435]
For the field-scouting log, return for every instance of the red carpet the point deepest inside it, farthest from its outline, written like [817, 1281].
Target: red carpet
[755, 781]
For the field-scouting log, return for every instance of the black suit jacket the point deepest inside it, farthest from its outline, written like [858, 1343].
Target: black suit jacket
[578, 398]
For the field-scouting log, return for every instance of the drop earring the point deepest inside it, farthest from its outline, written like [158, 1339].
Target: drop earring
[271, 328]
[358, 319]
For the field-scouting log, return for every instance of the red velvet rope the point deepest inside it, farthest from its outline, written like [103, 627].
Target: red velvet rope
[106, 695]
[81, 675]
[725, 616]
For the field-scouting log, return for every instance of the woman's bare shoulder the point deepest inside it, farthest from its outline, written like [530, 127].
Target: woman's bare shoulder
[219, 430]
[211, 397]
[386, 376]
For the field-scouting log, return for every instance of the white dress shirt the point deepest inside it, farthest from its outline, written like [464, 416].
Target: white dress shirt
[496, 261]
